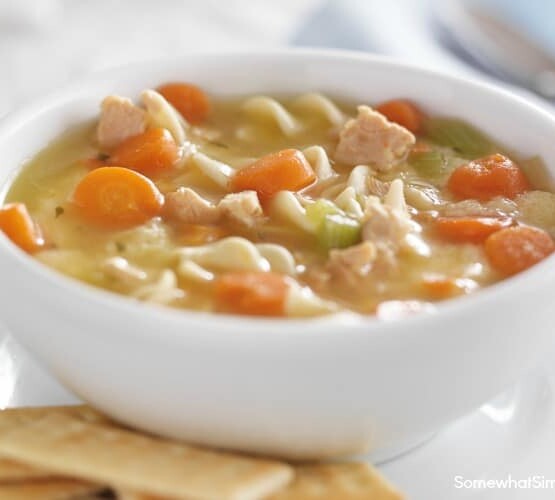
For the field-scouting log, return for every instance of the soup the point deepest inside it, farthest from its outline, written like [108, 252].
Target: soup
[280, 206]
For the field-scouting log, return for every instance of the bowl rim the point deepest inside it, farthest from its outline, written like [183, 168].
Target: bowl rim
[522, 283]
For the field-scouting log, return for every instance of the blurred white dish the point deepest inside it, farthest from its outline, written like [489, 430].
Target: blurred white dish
[297, 388]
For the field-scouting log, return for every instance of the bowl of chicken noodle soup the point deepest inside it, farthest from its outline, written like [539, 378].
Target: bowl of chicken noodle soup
[324, 254]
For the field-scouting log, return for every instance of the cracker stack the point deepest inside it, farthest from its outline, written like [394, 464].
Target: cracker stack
[64, 453]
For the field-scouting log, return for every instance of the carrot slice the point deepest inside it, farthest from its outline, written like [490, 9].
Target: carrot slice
[251, 293]
[284, 170]
[149, 153]
[441, 288]
[515, 249]
[191, 101]
[469, 229]
[198, 234]
[488, 177]
[117, 198]
[402, 112]
[18, 226]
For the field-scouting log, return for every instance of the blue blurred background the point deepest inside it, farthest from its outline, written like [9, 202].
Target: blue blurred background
[44, 43]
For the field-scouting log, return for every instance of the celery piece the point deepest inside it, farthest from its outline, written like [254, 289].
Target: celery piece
[317, 211]
[428, 163]
[339, 231]
[459, 135]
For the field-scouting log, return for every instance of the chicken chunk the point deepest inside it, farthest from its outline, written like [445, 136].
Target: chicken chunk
[351, 264]
[185, 205]
[242, 208]
[371, 139]
[388, 229]
[384, 232]
[384, 225]
[119, 119]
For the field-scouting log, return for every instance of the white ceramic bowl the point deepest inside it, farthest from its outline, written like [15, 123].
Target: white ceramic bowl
[298, 388]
